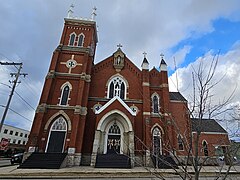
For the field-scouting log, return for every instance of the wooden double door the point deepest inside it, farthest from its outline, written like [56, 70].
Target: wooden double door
[113, 144]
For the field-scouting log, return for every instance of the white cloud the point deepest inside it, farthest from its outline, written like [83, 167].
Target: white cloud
[227, 70]
[31, 30]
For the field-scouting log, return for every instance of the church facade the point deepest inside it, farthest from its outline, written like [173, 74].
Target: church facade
[111, 107]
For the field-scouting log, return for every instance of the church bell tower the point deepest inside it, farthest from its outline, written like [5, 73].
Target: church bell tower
[61, 114]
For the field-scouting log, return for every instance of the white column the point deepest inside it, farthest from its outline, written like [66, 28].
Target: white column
[95, 147]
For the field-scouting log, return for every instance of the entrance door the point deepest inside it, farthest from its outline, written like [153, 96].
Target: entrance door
[56, 140]
[114, 139]
[157, 147]
[113, 145]
[57, 136]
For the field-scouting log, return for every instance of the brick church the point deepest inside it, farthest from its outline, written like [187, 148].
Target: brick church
[91, 111]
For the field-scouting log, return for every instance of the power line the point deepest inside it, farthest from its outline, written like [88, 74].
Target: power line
[13, 87]
[17, 113]
[28, 86]
[25, 101]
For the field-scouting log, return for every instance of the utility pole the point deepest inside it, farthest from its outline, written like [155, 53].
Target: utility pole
[13, 88]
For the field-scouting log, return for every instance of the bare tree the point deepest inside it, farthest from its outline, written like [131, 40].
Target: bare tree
[202, 106]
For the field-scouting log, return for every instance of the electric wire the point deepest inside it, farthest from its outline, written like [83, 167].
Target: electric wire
[25, 101]
[17, 113]
[28, 86]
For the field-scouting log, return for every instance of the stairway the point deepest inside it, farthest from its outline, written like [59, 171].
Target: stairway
[165, 162]
[44, 161]
[112, 161]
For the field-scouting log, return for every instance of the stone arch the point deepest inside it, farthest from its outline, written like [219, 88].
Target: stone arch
[101, 138]
[53, 117]
[66, 84]
[157, 140]
[117, 75]
[102, 123]
[157, 125]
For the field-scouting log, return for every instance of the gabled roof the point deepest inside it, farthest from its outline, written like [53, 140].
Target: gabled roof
[207, 125]
[145, 61]
[116, 98]
[176, 96]
[163, 62]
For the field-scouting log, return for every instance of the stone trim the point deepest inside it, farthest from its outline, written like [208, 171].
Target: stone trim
[161, 86]
[147, 113]
[210, 133]
[51, 74]
[75, 49]
[42, 108]
[145, 84]
[82, 76]
[80, 110]
[61, 112]
[77, 109]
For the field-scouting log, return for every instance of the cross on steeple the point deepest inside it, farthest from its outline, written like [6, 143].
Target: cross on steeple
[119, 46]
[70, 11]
[161, 55]
[144, 54]
[94, 14]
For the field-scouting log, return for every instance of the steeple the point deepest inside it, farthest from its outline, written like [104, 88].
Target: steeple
[163, 64]
[70, 11]
[94, 14]
[145, 64]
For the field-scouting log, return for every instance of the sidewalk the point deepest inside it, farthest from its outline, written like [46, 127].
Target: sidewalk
[12, 172]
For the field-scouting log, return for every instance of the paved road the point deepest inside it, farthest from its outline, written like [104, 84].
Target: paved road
[109, 178]
[5, 162]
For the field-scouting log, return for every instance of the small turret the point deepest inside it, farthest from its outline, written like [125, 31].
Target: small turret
[163, 64]
[145, 64]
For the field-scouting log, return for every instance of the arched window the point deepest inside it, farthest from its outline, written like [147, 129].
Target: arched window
[116, 87]
[114, 129]
[205, 148]
[157, 144]
[155, 103]
[180, 143]
[65, 95]
[72, 39]
[80, 40]
[59, 125]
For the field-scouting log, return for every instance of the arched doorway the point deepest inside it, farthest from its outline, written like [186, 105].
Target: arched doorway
[114, 139]
[157, 146]
[114, 135]
[157, 142]
[57, 134]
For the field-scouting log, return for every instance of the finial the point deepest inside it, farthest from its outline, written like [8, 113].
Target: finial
[144, 54]
[162, 55]
[94, 14]
[70, 11]
[119, 46]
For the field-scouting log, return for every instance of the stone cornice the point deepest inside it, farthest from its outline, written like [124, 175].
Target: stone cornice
[42, 108]
[87, 50]
[161, 86]
[82, 76]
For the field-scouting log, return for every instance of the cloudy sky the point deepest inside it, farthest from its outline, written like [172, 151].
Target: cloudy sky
[187, 31]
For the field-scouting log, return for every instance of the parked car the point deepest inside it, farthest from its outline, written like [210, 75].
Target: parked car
[17, 158]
